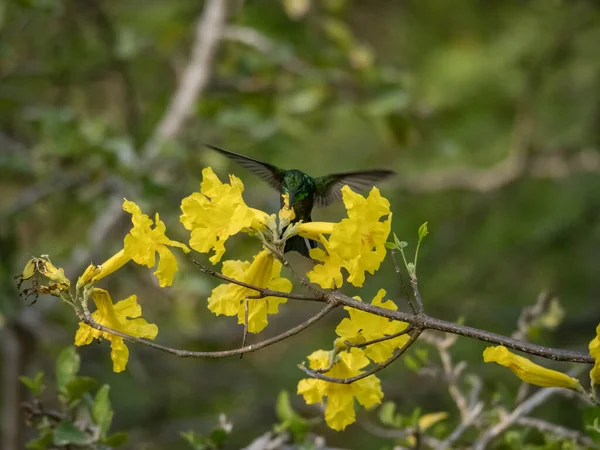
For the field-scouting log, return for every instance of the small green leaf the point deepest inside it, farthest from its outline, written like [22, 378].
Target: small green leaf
[412, 363]
[218, 437]
[67, 433]
[196, 441]
[423, 231]
[402, 244]
[391, 246]
[41, 443]
[67, 366]
[79, 386]
[387, 413]
[422, 354]
[35, 384]
[102, 412]
[591, 422]
[411, 268]
[283, 408]
[115, 440]
[290, 420]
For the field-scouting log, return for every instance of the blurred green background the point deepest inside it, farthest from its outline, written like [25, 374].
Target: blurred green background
[488, 110]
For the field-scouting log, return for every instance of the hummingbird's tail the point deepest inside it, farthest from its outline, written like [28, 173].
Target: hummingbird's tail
[300, 244]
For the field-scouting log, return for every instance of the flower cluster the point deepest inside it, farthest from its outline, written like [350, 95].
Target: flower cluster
[213, 215]
[360, 328]
[339, 411]
[356, 243]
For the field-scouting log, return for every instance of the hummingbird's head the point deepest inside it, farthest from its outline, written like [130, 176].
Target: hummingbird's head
[298, 185]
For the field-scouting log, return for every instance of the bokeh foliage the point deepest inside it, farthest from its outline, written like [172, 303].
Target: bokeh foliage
[417, 86]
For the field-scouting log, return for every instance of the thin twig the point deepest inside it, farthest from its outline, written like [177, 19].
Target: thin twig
[417, 293]
[398, 271]
[524, 408]
[428, 322]
[88, 320]
[407, 330]
[464, 425]
[245, 335]
[263, 292]
[558, 430]
[209, 30]
[399, 352]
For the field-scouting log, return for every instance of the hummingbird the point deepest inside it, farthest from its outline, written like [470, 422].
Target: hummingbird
[306, 192]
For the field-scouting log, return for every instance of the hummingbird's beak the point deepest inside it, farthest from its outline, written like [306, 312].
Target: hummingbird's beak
[291, 193]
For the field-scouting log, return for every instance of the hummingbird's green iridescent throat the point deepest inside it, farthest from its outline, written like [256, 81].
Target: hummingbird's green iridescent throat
[305, 191]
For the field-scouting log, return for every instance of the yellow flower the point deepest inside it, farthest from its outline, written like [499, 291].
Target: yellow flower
[595, 353]
[363, 326]
[339, 412]
[313, 230]
[217, 212]
[229, 299]
[95, 273]
[142, 243]
[428, 420]
[356, 243]
[286, 214]
[123, 316]
[528, 371]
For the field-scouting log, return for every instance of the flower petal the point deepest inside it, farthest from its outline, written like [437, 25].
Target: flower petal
[528, 371]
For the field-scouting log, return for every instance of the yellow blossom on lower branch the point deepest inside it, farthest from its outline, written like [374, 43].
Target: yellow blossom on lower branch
[356, 244]
[123, 316]
[363, 326]
[594, 348]
[230, 299]
[529, 371]
[339, 411]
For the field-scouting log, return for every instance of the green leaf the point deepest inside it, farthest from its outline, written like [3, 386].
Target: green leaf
[115, 440]
[412, 363]
[423, 231]
[403, 244]
[422, 354]
[591, 422]
[290, 420]
[41, 443]
[196, 441]
[218, 437]
[35, 384]
[391, 245]
[67, 366]
[79, 386]
[283, 408]
[387, 413]
[102, 412]
[67, 433]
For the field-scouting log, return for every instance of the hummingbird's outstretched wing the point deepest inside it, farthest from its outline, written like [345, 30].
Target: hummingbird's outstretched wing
[329, 187]
[268, 172]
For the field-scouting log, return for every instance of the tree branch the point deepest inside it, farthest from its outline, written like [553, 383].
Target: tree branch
[263, 292]
[427, 322]
[551, 165]
[88, 320]
[524, 408]
[196, 75]
[558, 430]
